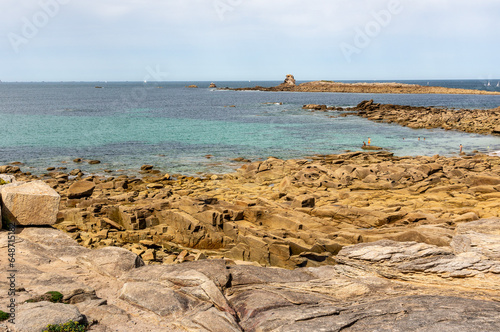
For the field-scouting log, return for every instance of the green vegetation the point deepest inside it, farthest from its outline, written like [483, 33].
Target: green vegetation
[53, 296]
[4, 316]
[70, 326]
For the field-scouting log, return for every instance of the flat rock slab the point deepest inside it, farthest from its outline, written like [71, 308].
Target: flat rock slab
[111, 261]
[34, 317]
[81, 189]
[32, 203]
[410, 313]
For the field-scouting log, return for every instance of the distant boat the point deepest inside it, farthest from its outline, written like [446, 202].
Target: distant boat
[489, 84]
[498, 84]
[98, 87]
[145, 81]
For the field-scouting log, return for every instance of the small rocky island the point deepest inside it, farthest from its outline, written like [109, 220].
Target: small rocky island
[331, 86]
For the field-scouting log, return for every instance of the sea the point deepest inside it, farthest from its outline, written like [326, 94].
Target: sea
[201, 130]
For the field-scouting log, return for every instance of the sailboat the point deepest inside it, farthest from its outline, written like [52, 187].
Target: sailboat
[489, 84]
[498, 84]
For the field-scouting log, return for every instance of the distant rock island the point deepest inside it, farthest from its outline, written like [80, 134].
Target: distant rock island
[331, 86]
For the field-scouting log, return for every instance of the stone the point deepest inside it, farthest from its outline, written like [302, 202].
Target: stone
[81, 189]
[212, 85]
[31, 317]
[6, 179]
[316, 107]
[111, 261]
[9, 169]
[289, 80]
[303, 201]
[481, 236]
[94, 162]
[406, 313]
[159, 299]
[32, 203]
[146, 167]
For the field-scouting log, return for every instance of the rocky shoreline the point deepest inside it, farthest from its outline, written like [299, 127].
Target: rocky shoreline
[471, 121]
[331, 86]
[347, 242]
[343, 242]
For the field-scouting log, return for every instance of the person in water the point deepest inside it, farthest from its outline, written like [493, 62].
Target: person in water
[461, 147]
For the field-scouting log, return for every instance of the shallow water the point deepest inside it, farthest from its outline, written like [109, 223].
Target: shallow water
[126, 125]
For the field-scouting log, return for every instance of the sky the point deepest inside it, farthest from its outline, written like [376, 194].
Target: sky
[215, 40]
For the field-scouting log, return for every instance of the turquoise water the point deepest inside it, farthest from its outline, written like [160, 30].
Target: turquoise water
[126, 125]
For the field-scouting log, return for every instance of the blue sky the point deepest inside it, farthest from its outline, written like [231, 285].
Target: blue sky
[214, 40]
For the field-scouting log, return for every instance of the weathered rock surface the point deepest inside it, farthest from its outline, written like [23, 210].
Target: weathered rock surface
[81, 189]
[34, 317]
[111, 261]
[289, 80]
[384, 285]
[7, 179]
[9, 169]
[472, 121]
[331, 86]
[33, 203]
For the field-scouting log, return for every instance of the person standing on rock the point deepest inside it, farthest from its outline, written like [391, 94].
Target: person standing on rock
[364, 143]
[369, 140]
[461, 147]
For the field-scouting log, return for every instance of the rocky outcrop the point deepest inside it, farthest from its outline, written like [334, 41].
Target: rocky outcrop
[284, 213]
[289, 80]
[9, 169]
[212, 85]
[33, 203]
[331, 86]
[384, 285]
[37, 316]
[472, 121]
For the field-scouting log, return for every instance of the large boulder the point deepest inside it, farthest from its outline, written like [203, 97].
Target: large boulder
[289, 80]
[81, 189]
[36, 316]
[32, 203]
[9, 169]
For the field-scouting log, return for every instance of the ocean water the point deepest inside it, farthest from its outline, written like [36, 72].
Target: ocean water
[128, 124]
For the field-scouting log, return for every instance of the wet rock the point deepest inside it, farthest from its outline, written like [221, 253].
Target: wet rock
[9, 169]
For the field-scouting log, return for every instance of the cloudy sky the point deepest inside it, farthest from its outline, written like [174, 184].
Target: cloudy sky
[176, 40]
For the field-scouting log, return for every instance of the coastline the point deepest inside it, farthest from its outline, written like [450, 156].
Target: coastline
[486, 122]
[321, 233]
[330, 232]
[300, 189]
[377, 88]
